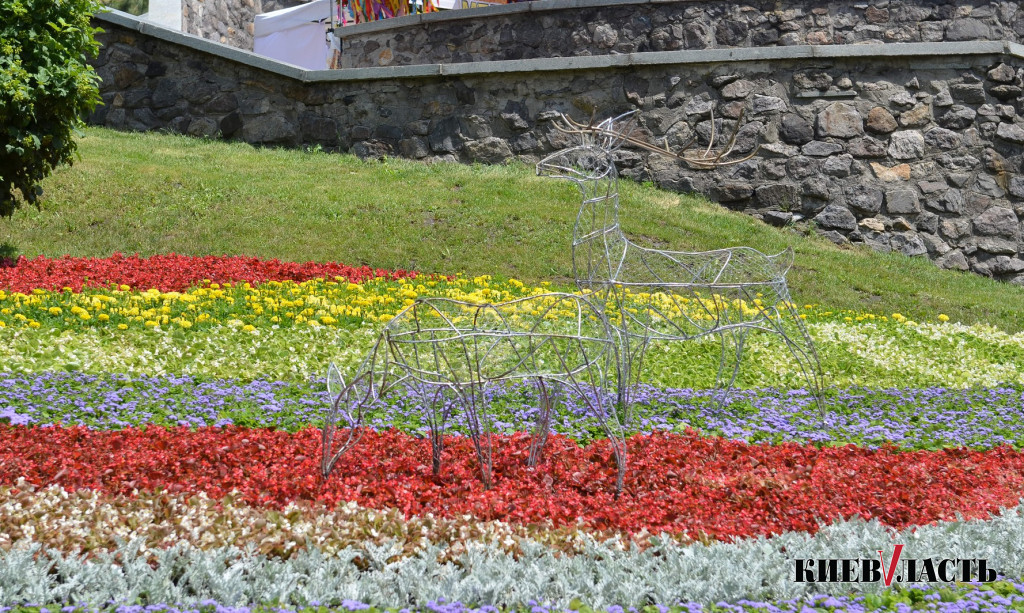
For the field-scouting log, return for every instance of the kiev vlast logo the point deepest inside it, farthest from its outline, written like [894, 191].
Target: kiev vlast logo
[907, 570]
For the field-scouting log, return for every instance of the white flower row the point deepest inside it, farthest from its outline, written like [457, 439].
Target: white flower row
[856, 353]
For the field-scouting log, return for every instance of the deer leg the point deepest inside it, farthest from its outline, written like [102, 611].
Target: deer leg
[542, 424]
[478, 424]
[437, 416]
[729, 362]
[607, 412]
[347, 406]
[802, 348]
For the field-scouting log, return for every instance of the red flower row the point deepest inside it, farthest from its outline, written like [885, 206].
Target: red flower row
[170, 272]
[676, 483]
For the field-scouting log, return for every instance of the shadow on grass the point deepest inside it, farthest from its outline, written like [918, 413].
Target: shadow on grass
[8, 255]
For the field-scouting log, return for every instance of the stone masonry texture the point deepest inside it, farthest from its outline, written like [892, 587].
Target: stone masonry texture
[636, 27]
[921, 155]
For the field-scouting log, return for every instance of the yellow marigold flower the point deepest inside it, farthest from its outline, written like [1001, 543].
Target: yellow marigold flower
[327, 320]
[84, 316]
[5, 311]
[20, 317]
[150, 323]
[248, 328]
[2, 324]
[215, 285]
[943, 317]
[122, 326]
[33, 324]
[103, 317]
[38, 292]
[123, 287]
[184, 323]
[54, 310]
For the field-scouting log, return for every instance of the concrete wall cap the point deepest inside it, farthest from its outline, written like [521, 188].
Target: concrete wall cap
[592, 62]
[981, 47]
[227, 52]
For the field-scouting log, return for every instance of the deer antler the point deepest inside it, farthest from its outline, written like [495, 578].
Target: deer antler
[708, 159]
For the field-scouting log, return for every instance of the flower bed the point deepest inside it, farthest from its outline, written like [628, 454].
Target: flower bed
[676, 483]
[169, 273]
[160, 437]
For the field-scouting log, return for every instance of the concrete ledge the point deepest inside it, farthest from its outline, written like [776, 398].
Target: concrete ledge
[227, 52]
[372, 74]
[981, 47]
[556, 64]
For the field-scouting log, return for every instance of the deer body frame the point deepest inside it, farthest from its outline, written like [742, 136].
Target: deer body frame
[658, 295]
[444, 353]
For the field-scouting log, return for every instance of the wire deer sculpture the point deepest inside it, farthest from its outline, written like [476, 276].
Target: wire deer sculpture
[444, 353]
[658, 295]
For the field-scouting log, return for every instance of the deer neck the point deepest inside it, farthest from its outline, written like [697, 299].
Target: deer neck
[598, 241]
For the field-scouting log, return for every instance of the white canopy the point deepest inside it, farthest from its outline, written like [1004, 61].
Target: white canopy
[295, 35]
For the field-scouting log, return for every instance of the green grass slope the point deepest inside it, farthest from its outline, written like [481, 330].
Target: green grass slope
[150, 193]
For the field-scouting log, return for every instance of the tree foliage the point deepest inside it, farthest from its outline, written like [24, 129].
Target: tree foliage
[46, 87]
[135, 7]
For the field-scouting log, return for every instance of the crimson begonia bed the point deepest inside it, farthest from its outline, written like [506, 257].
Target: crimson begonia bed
[705, 487]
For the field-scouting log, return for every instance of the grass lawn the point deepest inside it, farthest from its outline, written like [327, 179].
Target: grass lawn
[150, 193]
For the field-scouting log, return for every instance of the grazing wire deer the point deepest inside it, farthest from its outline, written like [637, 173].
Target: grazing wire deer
[443, 352]
[671, 295]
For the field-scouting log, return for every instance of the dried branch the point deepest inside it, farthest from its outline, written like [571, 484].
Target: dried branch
[706, 160]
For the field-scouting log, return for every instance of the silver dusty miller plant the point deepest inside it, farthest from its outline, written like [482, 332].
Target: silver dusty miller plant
[445, 353]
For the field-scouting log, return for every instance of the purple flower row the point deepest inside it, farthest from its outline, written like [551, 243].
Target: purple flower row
[912, 418]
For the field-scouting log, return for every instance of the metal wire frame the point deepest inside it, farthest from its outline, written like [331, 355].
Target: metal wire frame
[671, 295]
[444, 353]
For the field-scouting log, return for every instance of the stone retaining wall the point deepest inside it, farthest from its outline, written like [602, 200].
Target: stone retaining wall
[226, 21]
[567, 28]
[917, 148]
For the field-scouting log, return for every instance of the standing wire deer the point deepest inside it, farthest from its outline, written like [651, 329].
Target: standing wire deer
[658, 295]
[445, 353]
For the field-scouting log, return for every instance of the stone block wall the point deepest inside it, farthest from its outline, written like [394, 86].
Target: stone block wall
[921, 157]
[229, 22]
[915, 149]
[564, 28]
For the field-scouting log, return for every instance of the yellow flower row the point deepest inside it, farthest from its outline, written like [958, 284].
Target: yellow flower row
[337, 302]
